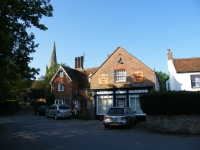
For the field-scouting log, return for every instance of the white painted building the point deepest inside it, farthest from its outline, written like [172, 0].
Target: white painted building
[184, 73]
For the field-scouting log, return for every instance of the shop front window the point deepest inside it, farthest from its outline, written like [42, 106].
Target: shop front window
[135, 104]
[103, 104]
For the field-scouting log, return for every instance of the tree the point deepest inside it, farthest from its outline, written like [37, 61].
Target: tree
[162, 77]
[16, 44]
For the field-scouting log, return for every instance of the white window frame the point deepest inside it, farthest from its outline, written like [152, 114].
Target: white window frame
[195, 81]
[134, 107]
[61, 87]
[61, 74]
[120, 75]
[58, 102]
[106, 106]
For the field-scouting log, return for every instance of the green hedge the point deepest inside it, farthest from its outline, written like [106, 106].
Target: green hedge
[80, 115]
[9, 107]
[170, 103]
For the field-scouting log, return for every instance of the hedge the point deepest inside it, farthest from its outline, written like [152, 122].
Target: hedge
[9, 107]
[170, 103]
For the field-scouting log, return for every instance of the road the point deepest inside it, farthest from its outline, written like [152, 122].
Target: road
[25, 131]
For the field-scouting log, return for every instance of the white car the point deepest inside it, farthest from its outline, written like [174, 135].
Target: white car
[58, 111]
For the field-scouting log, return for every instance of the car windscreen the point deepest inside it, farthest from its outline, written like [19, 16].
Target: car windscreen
[116, 111]
[63, 107]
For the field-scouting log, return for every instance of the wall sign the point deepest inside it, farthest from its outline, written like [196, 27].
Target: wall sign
[120, 92]
[103, 79]
[138, 76]
[138, 91]
[105, 92]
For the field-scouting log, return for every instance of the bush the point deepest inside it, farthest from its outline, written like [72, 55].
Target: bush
[9, 107]
[80, 115]
[170, 103]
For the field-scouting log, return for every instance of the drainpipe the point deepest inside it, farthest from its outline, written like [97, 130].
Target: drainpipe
[70, 99]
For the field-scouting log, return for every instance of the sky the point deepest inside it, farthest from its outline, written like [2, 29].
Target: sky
[95, 28]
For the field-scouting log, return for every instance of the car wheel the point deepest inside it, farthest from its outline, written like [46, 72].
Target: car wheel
[56, 117]
[47, 115]
[106, 126]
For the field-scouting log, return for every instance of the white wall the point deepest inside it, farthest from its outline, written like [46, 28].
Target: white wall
[179, 81]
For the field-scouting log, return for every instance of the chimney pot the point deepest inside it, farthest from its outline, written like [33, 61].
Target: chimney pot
[170, 56]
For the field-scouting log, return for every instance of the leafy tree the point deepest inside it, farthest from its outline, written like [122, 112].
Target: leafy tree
[163, 77]
[16, 44]
[43, 87]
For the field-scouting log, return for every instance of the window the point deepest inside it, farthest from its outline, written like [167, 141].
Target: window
[121, 102]
[61, 87]
[195, 81]
[59, 102]
[135, 104]
[103, 104]
[61, 74]
[120, 75]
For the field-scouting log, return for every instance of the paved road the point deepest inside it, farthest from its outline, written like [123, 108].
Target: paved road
[25, 131]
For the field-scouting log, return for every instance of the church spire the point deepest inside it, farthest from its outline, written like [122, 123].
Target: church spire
[53, 59]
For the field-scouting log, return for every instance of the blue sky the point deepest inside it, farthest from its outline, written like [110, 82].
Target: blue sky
[95, 28]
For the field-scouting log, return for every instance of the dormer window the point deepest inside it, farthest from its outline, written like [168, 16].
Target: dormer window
[61, 74]
[61, 87]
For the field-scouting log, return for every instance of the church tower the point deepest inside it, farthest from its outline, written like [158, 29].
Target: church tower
[53, 59]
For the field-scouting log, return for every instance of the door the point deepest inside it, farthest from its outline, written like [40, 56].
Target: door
[121, 102]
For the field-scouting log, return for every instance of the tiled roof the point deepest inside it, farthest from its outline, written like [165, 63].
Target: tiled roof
[77, 76]
[187, 65]
[89, 71]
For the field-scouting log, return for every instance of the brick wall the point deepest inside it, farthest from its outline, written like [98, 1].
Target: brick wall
[69, 89]
[121, 59]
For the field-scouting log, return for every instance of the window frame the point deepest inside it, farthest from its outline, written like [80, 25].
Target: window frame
[106, 99]
[61, 74]
[135, 105]
[61, 87]
[120, 75]
[197, 81]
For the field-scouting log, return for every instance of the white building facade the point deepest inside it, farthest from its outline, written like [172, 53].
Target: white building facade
[184, 74]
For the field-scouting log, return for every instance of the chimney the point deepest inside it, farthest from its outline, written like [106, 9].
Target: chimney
[79, 62]
[82, 59]
[169, 54]
[76, 62]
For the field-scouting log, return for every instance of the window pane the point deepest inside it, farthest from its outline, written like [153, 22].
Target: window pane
[120, 102]
[135, 105]
[195, 81]
[61, 87]
[104, 103]
[120, 75]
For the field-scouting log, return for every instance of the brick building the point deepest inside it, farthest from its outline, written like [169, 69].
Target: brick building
[69, 87]
[120, 80]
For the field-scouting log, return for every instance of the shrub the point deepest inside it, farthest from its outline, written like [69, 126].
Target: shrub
[9, 107]
[173, 103]
[80, 115]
